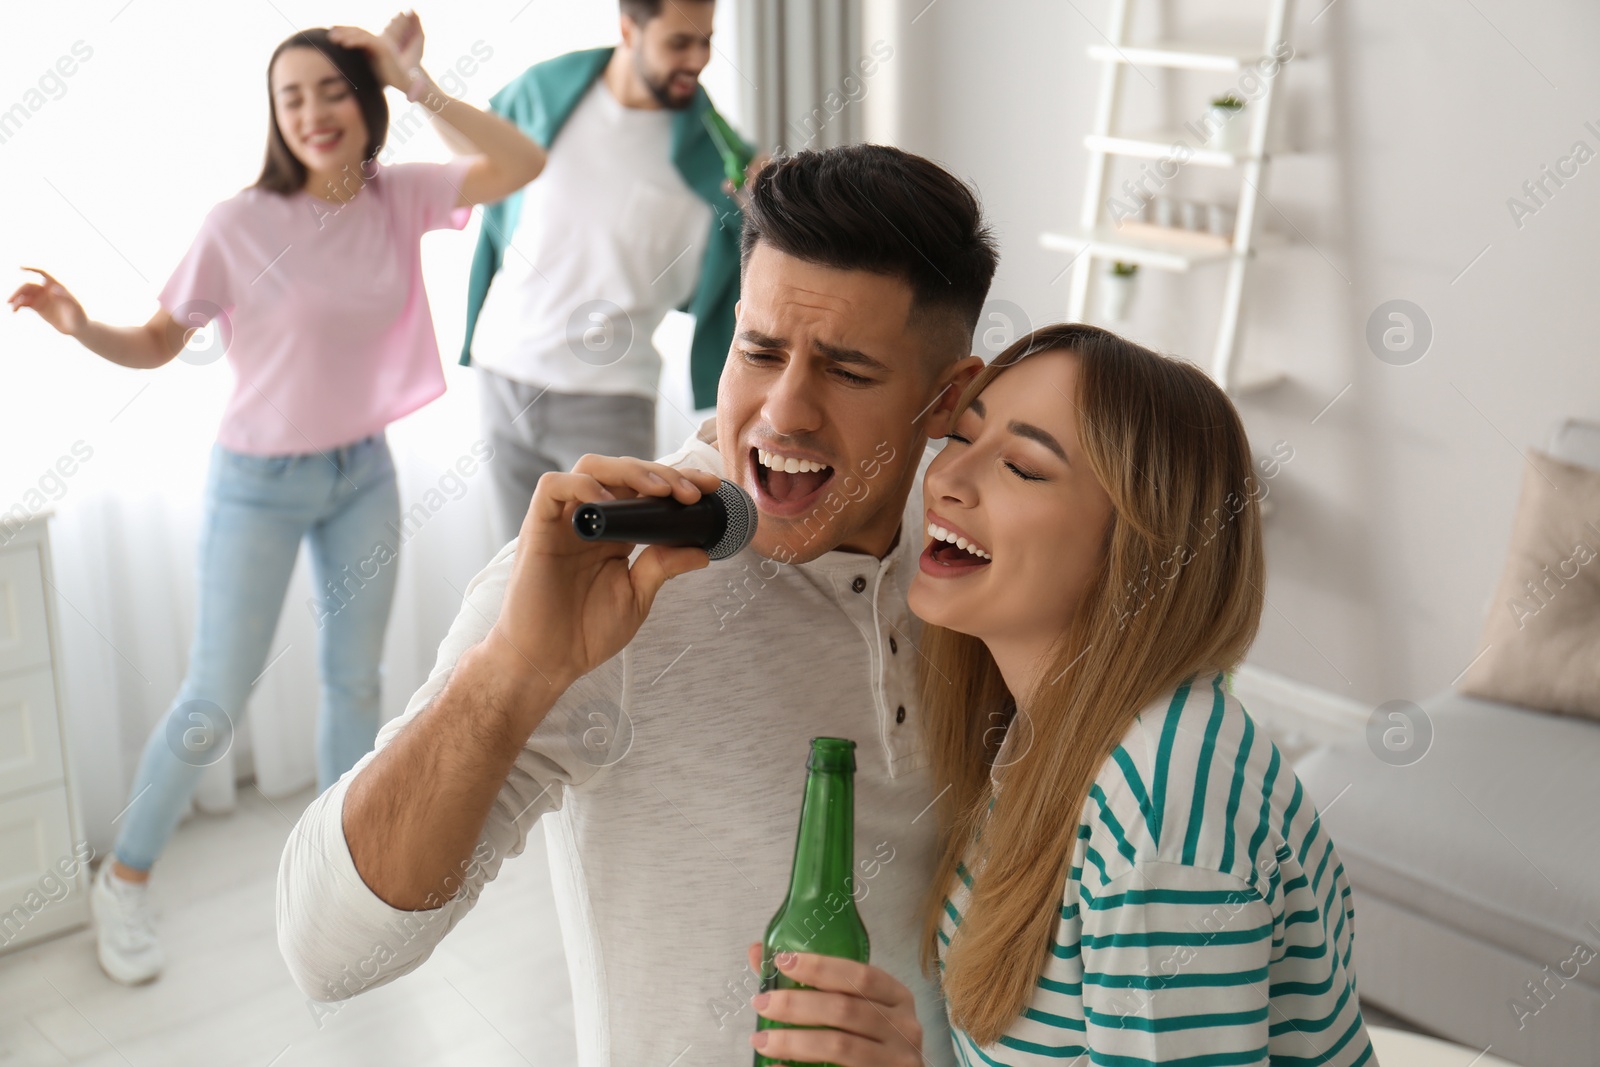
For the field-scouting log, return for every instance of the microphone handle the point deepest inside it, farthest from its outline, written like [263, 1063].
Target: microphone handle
[654, 521]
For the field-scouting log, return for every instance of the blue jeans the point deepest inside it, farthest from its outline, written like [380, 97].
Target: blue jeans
[258, 508]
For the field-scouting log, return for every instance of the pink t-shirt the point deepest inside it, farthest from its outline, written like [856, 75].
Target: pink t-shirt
[324, 316]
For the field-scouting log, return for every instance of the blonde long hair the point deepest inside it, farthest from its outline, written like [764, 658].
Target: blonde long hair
[1180, 591]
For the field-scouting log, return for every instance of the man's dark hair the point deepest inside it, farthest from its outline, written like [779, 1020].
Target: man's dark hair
[878, 209]
[641, 11]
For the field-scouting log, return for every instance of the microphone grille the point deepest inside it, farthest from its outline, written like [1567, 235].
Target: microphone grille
[741, 527]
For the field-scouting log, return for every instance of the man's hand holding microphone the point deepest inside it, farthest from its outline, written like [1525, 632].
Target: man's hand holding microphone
[412, 816]
[571, 603]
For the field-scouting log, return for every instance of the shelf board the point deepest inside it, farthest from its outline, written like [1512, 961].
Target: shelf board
[1185, 55]
[1161, 247]
[1162, 145]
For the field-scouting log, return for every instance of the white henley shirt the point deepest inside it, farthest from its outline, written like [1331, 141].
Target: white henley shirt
[669, 781]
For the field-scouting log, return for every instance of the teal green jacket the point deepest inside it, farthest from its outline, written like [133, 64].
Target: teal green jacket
[539, 103]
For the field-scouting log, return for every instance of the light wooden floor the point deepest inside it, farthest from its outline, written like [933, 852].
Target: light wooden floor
[495, 991]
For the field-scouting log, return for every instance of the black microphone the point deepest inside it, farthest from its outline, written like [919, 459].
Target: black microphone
[722, 523]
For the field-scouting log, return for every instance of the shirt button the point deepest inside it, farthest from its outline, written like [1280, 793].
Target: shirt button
[859, 584]
[900, 713]
[892, 646]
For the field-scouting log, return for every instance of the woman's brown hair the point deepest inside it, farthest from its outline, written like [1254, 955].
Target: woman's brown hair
[281, 171]
[1179, 591]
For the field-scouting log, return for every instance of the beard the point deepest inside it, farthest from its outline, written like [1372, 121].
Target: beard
[660, 86]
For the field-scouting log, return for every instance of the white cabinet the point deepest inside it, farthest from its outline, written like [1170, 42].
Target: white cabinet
[24, 637]
[44, 878]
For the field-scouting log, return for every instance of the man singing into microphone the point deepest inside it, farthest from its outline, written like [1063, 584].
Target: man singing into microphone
[663, 737]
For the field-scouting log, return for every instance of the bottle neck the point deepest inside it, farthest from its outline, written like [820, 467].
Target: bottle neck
[824, 849]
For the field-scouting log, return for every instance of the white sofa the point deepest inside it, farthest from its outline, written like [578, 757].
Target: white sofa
[1476, 870]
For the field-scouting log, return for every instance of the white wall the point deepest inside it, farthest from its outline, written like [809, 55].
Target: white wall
[1414, 124]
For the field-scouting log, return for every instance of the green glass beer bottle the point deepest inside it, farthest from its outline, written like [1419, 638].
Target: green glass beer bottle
[728, 145]
[819, 914]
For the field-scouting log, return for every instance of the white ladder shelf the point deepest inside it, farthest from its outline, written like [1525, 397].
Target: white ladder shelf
[1163, 247]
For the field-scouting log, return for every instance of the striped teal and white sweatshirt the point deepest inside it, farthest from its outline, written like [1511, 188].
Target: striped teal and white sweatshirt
[1206, 919]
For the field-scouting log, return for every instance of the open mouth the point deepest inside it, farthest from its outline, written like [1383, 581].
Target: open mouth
[323, 140]
[950, 553]
[787, 485]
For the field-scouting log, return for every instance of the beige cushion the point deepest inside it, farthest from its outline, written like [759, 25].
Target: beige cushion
[1542, 639]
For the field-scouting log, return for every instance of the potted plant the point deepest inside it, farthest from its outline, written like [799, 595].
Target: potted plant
[1116, 290]
[1228, 134]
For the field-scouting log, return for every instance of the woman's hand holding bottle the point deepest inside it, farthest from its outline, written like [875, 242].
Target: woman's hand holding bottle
[869, 1016]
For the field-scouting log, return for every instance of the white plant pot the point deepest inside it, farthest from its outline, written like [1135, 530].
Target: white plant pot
[1230, 130]
[1116, 295]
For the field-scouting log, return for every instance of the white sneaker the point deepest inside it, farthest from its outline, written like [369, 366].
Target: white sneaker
[124, 930]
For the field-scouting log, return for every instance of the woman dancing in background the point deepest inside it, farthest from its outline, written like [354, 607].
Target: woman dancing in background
[315, 271]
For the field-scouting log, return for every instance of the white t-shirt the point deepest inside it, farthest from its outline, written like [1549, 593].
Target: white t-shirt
[669, 782]
[609, 238]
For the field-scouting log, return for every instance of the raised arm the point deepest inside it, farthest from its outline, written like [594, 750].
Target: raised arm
[344, 925]
[504, 158]
[404, 33]
[139, 347]
[421, 823]
[413, 816]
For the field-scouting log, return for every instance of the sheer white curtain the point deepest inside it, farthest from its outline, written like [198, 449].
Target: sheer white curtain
[121, 124]
[821, 71]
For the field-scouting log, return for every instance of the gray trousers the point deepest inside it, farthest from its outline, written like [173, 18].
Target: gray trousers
[534, 430]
